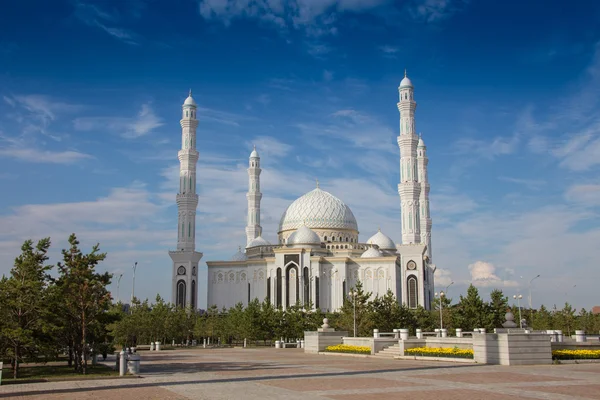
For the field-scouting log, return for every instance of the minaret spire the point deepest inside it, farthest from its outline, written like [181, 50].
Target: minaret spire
[425, 216]
[253, 228]
[186, 258]
[409, 188]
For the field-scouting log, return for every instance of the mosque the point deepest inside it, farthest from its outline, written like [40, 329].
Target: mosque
[318, 257]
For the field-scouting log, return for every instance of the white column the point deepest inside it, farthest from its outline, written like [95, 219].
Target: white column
[409, 188]
[253, 228]
[425, 216]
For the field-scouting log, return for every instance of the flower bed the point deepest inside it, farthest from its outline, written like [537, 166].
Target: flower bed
[346, 348]
[575, 354]
[439, 352]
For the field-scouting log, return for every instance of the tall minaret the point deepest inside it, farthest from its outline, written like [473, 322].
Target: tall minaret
[253, 228]
[409, 187]
[425, 217]
[186, 258]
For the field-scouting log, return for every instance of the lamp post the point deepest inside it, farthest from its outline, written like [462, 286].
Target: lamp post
[118, 286]
[441, 296]
[133, 284]
[451, 283]
[353, 295]
[518, 298]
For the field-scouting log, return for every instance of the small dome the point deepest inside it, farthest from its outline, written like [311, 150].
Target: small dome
[254, 153]
[190, 100]
[372, 252]
[405, 82]
[382, 241]
[259, 241]
[239, 256]
[421, 142]
[304, 235]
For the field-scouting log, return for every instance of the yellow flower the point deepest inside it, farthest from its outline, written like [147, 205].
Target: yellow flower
[346, 348]
[440, 352]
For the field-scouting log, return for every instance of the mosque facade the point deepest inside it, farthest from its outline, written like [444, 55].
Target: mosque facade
[318, 257]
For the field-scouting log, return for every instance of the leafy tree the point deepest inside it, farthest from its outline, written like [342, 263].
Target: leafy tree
[24, 298]
[84, 297]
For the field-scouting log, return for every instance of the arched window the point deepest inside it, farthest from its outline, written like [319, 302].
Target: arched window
[269, 289]
[181, 294]
[346, 238]
[193, 295]
[325, 238]
[412, 292]
[306, 281]
[278, 293]
[186, 113]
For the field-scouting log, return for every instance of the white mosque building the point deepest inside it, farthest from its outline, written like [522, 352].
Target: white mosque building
[318, 258]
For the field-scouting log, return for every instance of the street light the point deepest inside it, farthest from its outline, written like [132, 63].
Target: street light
[441, 296]
[133, 284]
[451, 283]
[118, 286]
[353, 295]
[518, 298]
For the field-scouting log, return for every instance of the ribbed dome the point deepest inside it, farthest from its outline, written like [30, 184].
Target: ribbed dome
[239, 256]
[304, 235]
[382, 241]
[421, 142]
[371, 252]
[259, 241]
[318, 209]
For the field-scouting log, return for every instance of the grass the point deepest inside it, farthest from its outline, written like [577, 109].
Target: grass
[49, 373]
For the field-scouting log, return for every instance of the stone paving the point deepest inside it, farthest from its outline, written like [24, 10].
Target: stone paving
[291, 374]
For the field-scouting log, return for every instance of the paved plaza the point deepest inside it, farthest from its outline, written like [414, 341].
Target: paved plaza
[290, 374]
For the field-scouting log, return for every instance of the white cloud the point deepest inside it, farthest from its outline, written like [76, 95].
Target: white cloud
[436, 10]
[92, 15]
[389, 51]
[586, 194]
[443, 278]
[270, 148]
[484, 274]
[129, 127]
[38, 156]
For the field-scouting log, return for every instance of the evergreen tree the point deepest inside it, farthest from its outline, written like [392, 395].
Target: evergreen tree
[470, 311]
[543, 319]
[497, 309]
[84, 297]
[345, 321]
[387, 314]
[24, 298]
[425, 320]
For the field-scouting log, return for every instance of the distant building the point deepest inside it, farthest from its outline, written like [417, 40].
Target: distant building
[596, 310]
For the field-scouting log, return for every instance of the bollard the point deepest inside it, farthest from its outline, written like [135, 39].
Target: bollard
[438, 333]
[376, 333]
[459, 332]
[559, 334]
[403, 333]
[277, 344]
[133, 364]
[204, 343]
[122, 362]
[173, 344]
[157, 346]
[481, 330]
[302, 344]
[244, 342]
[396, 333]
[419, 334]
[151, 346]
[444, 332]
[580, 336]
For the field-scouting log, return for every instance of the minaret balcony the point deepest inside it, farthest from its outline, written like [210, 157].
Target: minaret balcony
[187, 198]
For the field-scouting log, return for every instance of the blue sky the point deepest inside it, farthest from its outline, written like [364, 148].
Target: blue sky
[507, 93]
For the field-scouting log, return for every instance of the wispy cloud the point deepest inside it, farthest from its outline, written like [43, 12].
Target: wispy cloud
[129, 127]
[93, 15]
[585, 194]
[44, 156]
[389, 51]
[436, 10]
[530, 183]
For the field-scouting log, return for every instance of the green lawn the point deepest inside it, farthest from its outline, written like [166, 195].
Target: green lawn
[47, 373]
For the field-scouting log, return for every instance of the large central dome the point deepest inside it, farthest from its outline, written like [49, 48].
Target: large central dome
[318, 209]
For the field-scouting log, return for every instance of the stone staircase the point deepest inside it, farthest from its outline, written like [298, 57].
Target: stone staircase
[388, 352]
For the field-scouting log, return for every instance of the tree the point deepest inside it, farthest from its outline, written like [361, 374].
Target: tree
[543, 319]
[470, 311]
[84, 296]
[345, 321]
[387, 314]
[497, 309]
[24, 300]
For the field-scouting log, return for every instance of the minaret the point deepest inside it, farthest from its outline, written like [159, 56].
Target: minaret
[409, 188]
[253, 228]
[186, 258]
[425, 217]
